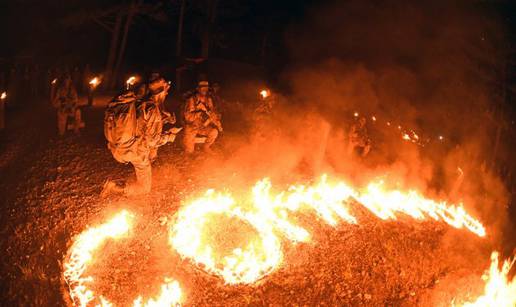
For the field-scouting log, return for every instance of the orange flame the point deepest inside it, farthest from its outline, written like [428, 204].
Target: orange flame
[130, 82]
[94, 82]
[3, 96]
[80, 256]
[265, 93]
[499, 290]
[269, 215]
[54, 81]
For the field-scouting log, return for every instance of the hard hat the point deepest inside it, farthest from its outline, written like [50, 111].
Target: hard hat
[203, 84]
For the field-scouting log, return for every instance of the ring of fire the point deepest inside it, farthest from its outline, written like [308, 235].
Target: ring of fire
[245, 265]
[80, 255]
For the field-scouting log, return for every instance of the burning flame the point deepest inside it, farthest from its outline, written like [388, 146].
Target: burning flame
[3, 96]
[94, 82]
[130, 82]
[499, 290]
[170, 296]
[80, 256]
[265, 93]
[54, 81]
[269, 215]
[246, 265]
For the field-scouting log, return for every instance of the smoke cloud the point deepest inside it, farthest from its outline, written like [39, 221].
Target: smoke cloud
[430, 68]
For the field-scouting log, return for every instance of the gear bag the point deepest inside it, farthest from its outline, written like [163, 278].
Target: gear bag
[120, 120]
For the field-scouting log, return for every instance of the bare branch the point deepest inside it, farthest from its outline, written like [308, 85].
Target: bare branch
[99, 22]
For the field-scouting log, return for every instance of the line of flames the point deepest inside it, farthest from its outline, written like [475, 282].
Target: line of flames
[81, 256]
[269, 215]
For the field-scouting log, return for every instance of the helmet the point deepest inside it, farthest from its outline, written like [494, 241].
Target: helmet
[158, 86]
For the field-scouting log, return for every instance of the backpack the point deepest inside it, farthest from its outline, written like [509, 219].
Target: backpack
[120, 120]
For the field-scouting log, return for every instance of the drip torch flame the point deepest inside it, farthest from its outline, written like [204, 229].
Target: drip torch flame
[441, 138]
[373, 118]
[94, 82]
[355, 114]
[3, 96]
[265, 93]
[130, 82]
[54, 81]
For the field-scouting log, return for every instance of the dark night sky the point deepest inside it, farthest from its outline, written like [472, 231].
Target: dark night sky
[38, 29]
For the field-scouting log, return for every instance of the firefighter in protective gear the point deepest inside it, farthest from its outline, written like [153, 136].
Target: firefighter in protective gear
[201, 119]
[143, 90]
[262, 115]
[358, 138]
[66, 102]
[141, 149]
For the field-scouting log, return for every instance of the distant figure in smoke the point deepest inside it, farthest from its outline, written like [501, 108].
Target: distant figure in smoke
[201, 119]
[66, 102]
[133, 127]
[263, 113]
[359, 138]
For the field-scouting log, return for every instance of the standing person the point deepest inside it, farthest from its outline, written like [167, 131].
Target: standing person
[200, 119]
[263, 113]
[359, 138]
[66, 102]
[134, 130]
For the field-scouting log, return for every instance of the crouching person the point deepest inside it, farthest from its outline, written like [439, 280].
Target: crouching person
[133, 127]
[201, 119]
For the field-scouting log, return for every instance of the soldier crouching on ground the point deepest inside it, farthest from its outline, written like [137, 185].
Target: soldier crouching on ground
[200, 119]
[359, 138]
[66, 102]
[133, 127]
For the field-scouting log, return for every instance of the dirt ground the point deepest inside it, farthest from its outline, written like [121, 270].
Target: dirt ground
[50, 187]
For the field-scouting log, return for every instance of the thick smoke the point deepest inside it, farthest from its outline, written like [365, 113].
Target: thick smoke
[430, 68]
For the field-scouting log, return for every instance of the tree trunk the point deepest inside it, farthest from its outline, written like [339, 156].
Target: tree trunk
[123, 43]
[112, 49]
[179, 43]
[210, 24]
